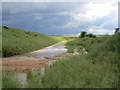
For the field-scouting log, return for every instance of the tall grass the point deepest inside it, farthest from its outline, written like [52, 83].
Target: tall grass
[16, 41]
[9, 80]
[34, 79]
[79, 72]
[98, 69]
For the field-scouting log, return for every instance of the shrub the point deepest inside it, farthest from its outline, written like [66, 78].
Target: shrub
[5, 27]
[91, 35]
[30, 75]
[83, 33]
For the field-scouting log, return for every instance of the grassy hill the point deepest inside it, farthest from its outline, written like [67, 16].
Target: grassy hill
[97, 69]
[16, 41]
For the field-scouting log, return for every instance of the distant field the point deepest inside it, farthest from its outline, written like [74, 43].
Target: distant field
[16, 41]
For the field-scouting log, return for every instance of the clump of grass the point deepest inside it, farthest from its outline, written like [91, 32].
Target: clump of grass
[9, 80]
[34, 80]
[29, 74]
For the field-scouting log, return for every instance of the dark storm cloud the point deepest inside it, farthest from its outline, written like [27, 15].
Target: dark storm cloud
[41, 8]
[49, 17]
[26, 15]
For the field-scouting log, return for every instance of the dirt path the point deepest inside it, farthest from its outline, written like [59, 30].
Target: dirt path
[36, 59]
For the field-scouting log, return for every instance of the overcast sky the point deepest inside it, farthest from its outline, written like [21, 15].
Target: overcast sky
[58, 18]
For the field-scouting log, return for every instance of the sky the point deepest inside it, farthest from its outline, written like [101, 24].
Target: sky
[60, 18]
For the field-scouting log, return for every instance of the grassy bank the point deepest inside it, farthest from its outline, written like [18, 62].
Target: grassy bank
[16, 41]
[97, 69]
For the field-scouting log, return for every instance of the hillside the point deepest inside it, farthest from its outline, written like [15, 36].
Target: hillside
[16, 41]
[99, 68]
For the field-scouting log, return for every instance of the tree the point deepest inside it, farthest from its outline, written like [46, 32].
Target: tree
[5, 27]
[94, 36]
[116, 30]
[83, 34]
[91, 35]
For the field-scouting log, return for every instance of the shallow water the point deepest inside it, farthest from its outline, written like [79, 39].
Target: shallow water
[53, 50]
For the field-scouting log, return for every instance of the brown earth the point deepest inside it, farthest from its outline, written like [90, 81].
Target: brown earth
[21, 65]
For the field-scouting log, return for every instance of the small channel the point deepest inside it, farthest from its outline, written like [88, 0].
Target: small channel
[50, 51]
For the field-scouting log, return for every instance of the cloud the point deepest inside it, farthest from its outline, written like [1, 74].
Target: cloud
[99, 10]
[101, 31]
[65, 17]
[92, 12]
[38, 17]
[59, 0]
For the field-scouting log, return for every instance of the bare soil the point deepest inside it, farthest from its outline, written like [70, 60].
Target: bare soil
[21, 65]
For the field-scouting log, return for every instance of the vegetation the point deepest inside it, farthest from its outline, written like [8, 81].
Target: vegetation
[99, 68]
[33, 79]
[84, 34]
[87, 43]
[17, 41]
[117, 30]
[91, 35]
[9, 80]
[69, 38]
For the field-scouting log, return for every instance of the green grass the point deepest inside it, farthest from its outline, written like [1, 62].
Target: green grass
[79, 72]
[9, 80]
[16, 41]
[97, 69]
[87, 43]
[69, 38]
[34, 79]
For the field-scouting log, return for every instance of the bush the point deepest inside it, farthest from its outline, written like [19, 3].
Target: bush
[5, 27]
[30, 75]
[91, 35]
[83, 33]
